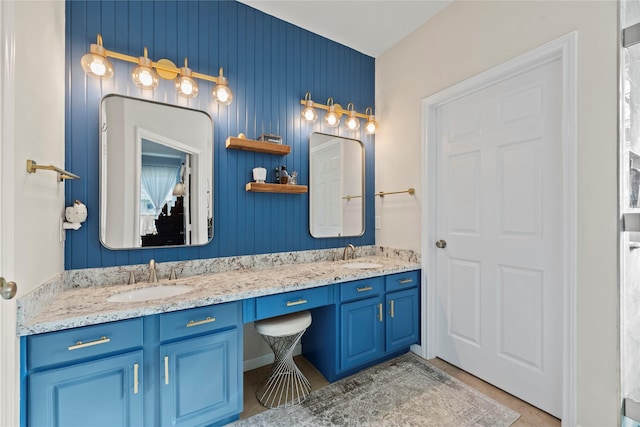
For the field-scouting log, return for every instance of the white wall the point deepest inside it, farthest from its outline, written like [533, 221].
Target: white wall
[469, 37]
[39, 135]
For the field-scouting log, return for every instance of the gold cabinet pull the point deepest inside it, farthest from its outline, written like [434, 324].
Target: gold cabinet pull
[80, 344]
[200, 322]
[365, 289]
[392, 312]
[292, 303]
[136, 368]
[380, 312]
[403, 281]
[166, 370]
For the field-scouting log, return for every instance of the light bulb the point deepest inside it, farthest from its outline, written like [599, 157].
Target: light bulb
[222, 94]
[309, 113]
[371, 126]
[95, 63]
[143, 75]
[352, 123]
[185, 84]
[331, 119]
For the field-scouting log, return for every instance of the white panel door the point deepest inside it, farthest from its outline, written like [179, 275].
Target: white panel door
[499, 209]
[326, 174]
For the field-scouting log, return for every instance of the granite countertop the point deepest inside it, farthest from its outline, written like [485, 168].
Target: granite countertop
[81, 306]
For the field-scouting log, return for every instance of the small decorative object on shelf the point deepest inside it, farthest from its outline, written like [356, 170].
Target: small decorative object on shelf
[293, 178]
[277, 139]
[276, 174]
[284, 175]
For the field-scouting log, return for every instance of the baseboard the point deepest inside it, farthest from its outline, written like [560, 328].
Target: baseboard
[265, 359]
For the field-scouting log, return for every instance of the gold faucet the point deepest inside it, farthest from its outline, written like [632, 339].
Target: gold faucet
[153, 277]
[346, 249]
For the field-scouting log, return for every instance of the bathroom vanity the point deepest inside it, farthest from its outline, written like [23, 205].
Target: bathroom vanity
[178, 360]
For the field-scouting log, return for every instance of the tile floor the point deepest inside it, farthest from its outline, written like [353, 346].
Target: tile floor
[530, 415]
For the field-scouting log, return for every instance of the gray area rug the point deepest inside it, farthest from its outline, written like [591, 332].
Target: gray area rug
[406, 391]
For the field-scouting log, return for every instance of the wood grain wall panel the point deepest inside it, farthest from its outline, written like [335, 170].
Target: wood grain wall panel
[270, 65]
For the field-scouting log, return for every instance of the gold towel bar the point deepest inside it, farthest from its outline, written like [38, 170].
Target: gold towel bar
[32, 167]
[410, 191]
[382, 194]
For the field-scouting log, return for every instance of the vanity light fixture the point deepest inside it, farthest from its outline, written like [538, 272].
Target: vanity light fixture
[143, 75]
[332, 118]
[95, 63]
[352, 123]
[147, 72]
[185, 85]
[335, 112]
[309, 113]
[371, 126]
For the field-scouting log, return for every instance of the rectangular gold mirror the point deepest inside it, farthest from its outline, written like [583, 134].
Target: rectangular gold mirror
[336, 186]
[156, 174]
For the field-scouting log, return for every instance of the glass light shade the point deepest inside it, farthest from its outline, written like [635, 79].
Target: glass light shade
[371, 126]
[222, 94]
[352, 123]
[143, 75]
[96, 65]
[331, 119]
[309, 113]
[186, 85]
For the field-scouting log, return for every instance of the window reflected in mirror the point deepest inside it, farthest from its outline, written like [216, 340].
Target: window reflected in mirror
[336, 186]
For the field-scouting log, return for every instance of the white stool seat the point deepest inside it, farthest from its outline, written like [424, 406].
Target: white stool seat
[285, 385]
[281, 326]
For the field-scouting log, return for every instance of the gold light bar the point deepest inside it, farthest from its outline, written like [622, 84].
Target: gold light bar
[338, 107]
[335, 112]
[165, 67]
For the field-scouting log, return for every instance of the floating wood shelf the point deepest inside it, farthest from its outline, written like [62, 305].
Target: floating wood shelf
[276, 188]
[257, 146]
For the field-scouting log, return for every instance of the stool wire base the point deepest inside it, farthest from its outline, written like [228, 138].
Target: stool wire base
[286, 385]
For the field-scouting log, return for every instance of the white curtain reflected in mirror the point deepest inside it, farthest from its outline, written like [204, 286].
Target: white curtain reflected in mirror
[336, 186]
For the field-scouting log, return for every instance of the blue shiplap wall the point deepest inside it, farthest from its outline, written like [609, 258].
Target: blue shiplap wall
[270, 65]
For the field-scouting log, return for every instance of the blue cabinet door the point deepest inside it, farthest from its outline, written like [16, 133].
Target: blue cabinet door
[403, 315]
[361, 337]
[200, 380]
[104, 392]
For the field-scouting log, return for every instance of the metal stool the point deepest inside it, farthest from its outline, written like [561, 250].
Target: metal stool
[285, 385]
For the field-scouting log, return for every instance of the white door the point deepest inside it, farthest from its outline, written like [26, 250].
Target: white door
[499, 209]
[9, 347]
[326, 174]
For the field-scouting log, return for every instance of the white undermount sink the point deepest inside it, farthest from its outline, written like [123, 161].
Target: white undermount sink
[152, 292]
[362, 265]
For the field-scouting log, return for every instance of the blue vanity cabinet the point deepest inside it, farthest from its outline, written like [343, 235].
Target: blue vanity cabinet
[89, 376]
[182, 368]
[402, 302]
[361, 332]
[374, 319]
[201, 371]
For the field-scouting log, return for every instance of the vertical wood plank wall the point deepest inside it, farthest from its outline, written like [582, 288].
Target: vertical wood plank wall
[270, 65]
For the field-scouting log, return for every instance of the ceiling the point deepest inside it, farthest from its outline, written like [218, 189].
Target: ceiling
[370, 27]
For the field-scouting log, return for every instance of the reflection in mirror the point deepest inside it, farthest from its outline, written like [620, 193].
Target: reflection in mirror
[156, 174]
[336, 186]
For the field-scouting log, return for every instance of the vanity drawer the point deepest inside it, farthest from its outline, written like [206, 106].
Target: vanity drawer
[361, 289]
[194, 321]
[395, 282]
[81, 343]
[290, 302]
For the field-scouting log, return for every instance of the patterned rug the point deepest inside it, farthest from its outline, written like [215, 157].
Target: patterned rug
[406, 391]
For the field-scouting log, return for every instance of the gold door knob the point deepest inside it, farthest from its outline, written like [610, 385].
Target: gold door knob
[441, 244]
